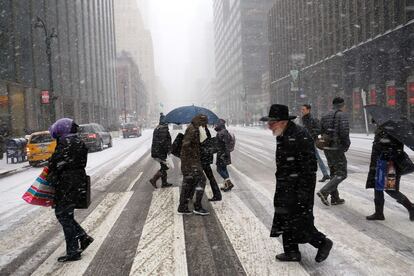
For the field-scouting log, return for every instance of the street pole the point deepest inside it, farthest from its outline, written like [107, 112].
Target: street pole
[364, 103]
[48, 41]
[125, 112]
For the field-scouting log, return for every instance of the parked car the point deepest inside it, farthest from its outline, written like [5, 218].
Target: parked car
[40, 147]
[130, 129]
[95, 136]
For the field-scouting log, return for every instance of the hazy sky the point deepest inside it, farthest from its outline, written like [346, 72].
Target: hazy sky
[178, 30]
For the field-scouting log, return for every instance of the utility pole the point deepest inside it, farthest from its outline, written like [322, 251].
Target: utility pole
[125, 111]
[48, 40]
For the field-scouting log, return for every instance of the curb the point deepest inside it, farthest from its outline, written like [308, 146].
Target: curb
[14, 171]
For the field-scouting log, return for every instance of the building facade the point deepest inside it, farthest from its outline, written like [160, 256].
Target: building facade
[322, 48]
[241, 57]
[131, 89]
[83, 62]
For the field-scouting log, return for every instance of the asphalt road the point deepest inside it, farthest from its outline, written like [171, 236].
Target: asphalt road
[137, 230]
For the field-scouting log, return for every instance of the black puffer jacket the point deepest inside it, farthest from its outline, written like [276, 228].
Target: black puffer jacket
[223, 141]
[208, 148]
[295, 184]
[67, 169]
[389, 148]
[161, 142]
[338, 129]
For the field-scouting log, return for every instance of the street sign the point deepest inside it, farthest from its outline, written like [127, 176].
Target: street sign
[45, 97]
[294, 74]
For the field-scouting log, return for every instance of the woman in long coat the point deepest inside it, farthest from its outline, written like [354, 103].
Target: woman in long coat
[388, 148]
[67, 174]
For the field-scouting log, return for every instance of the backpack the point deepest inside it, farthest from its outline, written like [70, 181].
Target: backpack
[177, 145]
[232, 142]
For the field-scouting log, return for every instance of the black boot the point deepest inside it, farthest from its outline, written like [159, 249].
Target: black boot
[379, 211]
[75, 256]
[289, 257]
[216, 190]
[85, 241]
[335, 199]
[155, 178]
[323, 250]
[324, 178]
[404, 201]
[198, 208]
[164, 180]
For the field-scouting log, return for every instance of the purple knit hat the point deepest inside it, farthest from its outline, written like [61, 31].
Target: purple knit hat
[61, 128]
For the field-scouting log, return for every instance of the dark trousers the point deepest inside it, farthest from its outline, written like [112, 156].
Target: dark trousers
[290, 246]
[338, 167]
[163, 171]
[71, 229]
[193, 182]
[223, 172]
[213, 183]
[397, 195]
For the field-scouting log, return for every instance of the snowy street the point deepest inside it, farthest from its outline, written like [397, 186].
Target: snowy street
[138, 232]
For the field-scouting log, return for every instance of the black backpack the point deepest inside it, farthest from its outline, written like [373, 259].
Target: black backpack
[177, 145]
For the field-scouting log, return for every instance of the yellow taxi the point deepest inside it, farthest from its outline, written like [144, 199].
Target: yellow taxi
[40, 147]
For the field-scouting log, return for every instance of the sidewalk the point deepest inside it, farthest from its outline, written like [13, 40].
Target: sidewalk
[7, 169]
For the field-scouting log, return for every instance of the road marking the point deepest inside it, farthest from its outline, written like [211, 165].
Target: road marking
[161, 249]
[133, 182]
[104, 215]
[250, 239]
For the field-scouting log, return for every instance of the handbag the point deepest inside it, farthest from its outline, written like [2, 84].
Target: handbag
[41, 192]
[177, 145]
[404, 164]
[325, 140]
[84, 194]
[385, 175]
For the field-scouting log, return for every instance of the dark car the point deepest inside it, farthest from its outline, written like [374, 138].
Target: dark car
[131, 129]
[95, 136]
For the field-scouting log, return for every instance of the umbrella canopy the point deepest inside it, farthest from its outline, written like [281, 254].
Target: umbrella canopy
[393, 123]
[184, 115]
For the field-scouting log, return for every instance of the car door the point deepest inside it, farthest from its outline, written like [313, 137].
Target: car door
[104, 135]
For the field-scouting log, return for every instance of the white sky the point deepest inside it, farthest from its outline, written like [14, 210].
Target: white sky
[178, 27]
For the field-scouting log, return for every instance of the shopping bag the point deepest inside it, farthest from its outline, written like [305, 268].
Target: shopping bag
[40, 192]
[380, 174]
[391, 178]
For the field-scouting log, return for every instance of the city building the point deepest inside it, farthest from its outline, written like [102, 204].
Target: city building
[82, 54]
[132, 94]
[323, 48]
[133, 38]
[241, 57]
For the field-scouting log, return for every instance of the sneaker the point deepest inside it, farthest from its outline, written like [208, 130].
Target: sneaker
[289, 257]
[201, 211]
[70, 258]
[324, 198]
[227, 186]
[166, 185]
[85, 241]
[214, 199]
[376, 216]
[324, 178]
[338, 201]
[184, 211]
[323, 251]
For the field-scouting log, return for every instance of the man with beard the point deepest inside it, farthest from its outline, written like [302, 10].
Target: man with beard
[295, 187]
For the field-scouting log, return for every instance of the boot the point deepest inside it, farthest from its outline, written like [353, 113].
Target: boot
[379, 211]
[227, 186]
[335, 199]
[198, 208]
[164, 180]
[85, 241]
[75, 256]
[155, 178]
[323, 250]
[289, 257]
[216, 190]
[408, 205]
[324, 178]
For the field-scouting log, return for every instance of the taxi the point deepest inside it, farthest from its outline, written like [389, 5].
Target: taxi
[40, 147]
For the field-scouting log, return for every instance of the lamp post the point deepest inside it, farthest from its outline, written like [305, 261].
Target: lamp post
[48, 40]
[125, 112]
[244, 99]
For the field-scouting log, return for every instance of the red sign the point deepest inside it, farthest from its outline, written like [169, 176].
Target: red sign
[411, 93]
[45, 97]
[357, 100]
[391, 96]
[373, 96]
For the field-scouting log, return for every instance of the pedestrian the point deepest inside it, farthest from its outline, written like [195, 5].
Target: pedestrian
[388, 148]
[191, 167]
[335, 125]
[312, 125]
[295, 187]
[161, 147]
[67, 174]
[223, 154]
[208, 148]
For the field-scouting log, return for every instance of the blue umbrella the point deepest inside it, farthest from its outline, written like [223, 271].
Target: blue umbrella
[184, 115]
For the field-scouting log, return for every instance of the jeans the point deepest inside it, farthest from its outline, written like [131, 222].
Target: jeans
[320, 163]
[71, 229]
[223, 172]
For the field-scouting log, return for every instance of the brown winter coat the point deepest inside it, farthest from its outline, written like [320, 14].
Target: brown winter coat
[190, 151]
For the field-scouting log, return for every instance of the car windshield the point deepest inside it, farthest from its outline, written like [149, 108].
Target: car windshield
[42, 138]
[130, 125]
[86, 129]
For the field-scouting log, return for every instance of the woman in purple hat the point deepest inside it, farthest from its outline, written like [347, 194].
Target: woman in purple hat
[67, 174]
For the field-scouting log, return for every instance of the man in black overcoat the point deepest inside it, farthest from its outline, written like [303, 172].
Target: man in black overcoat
[295, 187]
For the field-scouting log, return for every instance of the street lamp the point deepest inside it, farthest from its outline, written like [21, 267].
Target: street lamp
[48, 40]
[125, 112]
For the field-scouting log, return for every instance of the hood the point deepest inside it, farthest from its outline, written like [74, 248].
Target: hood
[221, 124]
[199, 120]
[62, 128]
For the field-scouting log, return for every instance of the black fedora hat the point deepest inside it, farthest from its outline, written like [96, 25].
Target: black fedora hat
[278, 112]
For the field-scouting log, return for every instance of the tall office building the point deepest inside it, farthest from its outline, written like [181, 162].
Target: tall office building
[325, 48]
[241, 55]
[83, 63]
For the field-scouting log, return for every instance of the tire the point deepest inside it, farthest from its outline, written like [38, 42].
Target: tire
[101, 145]
[110, 143]
[33, 163]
